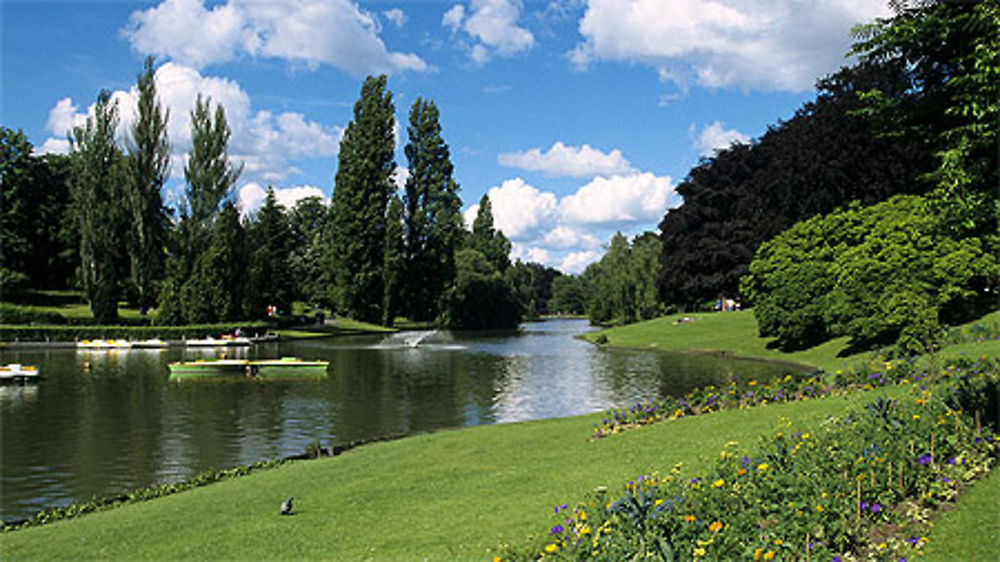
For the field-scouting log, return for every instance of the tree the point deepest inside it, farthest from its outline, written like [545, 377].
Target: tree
[393, 265]
[309, 222]
[644, 268]
[949, 53]
[432, 216]
[568, 295]
[826, 156]
[487, 240]
[361, 194]
[270, 274]
[890, 273]
[98, 175]
[480, 298]
[206, 259]
[148, 162]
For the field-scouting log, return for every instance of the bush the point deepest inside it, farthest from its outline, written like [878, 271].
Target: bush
[14, 314]
[890, 273]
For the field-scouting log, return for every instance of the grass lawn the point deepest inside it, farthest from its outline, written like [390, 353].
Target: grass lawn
[972, 530]
[736, 333]
[442, 496]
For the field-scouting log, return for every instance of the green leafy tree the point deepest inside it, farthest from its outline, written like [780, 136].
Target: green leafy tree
[214, 291]
[97, 189]
[393, 268]
[481, 298]
[950, 53]
[890, 273]
[568, 295]
[644, 270]
[15, 213]
[309, 224]
[148, 163]
[432, 216]
[487, 240]
[270, 274]
[209, 174]
[361, 195]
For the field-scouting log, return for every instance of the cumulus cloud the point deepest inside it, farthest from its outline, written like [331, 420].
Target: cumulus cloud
[251, 196]
[715, 137]
[568, 233]
[618, 200]
[396, 16]
[492, 24]
[263, 141]
[572, 161]
[752, 44]
[335, 32]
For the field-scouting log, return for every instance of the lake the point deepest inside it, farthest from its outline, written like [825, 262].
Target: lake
[101, 423]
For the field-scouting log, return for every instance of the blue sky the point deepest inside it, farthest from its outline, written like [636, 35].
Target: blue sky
[578, 117]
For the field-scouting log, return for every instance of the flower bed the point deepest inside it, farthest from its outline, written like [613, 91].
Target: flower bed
[859, 487]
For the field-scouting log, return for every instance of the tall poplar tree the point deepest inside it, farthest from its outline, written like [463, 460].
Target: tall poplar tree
[432, 216]
[96, 192]
[148, 163]
[363, 186]
[487, 240]
[393, 261]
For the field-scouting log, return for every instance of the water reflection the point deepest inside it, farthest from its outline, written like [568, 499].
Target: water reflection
[103, 422]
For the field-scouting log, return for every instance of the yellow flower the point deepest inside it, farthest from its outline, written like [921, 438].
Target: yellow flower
[550, 548]
[779, 542]
[699, 552]
[757, 553]
[585, 530]
[714, 527]
[658, 502]
[763, 466]
[497, 559]
[719, 483]
[689, 518]
[819, 508]
[769, 555]
[752, 383]
[583, 516]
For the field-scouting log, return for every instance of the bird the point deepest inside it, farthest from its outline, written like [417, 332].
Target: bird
[286, 507]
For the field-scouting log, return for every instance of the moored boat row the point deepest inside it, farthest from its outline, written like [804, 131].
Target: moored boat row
[17, 371]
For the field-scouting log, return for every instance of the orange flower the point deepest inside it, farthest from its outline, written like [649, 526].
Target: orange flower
[715, 526]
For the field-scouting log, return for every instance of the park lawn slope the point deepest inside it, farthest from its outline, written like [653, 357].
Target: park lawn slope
[735, 333]
[972, 530]
[443, 496]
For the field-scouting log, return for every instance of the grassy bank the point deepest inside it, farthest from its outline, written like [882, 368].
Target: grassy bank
[449, 495]
[735, 333]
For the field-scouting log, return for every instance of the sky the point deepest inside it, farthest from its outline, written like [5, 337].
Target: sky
[577, 117]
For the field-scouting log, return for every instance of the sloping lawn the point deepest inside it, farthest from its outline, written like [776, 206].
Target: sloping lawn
[443, 496]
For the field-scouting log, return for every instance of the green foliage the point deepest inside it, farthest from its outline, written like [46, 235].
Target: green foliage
[361, 195]
[822, 158]
[308, 222]
[951, 55]
[623, 282]
[97, 189]
[480, 298]
[431, 215]
[269, 247]
[568, 295]
[393, 266]
[74, 332]
[890, 273]
[148, 164]
[486, 239]
[209, 174]
[532, 283]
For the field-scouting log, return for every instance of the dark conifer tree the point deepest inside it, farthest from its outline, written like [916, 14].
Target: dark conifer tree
[393, 268]
[487, 240]
[361, 195]
[270, 277]
[432, 216]
[149, 161]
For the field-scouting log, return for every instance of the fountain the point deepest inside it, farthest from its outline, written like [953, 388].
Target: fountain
[413, 340]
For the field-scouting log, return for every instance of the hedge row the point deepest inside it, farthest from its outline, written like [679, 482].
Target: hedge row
[56, 333]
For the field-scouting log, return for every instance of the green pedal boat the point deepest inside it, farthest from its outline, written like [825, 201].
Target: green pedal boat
[286, 367]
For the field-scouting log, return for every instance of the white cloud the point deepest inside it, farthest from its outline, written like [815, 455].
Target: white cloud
[573, 161]
[252, 195]
[618, 200]
[714, 137]
[396, 16]
[575, 262]
[519, 209]
[493, 25]
[752, 44]
[335, 32]
[399, 177]
[263, 141]
[569, 233]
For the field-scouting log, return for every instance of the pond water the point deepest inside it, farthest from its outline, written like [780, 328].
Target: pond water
[101, 423]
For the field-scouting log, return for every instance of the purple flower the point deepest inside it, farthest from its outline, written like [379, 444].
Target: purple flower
[864, 505]
[876, 508]
[951, 460]
[556, 530]
[913, 540]
[945, 479]
[837, 559]
[923, 459]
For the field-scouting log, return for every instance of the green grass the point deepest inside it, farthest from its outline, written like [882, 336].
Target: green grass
[442, 496]
[972, 530]
[735, 333]
[732, 333]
